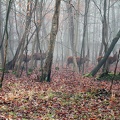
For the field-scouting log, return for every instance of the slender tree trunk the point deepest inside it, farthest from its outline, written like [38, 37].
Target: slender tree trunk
[39, 17]
[1, 23]
[11, 64]
[87, 2]
[5, 36]
[66, 37]
[10, 53]
[25, 35]
[72, 36]
[101, 49]
[48, 63]
[114, 41]
[105, 28]
[94, 37]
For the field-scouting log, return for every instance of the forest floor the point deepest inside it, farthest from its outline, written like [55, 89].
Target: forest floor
[69, 96]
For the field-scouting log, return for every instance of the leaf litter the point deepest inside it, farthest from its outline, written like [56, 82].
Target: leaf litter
[68, 96]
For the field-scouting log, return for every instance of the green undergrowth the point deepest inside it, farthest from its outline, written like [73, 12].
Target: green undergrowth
[4, 70]
[109, 76]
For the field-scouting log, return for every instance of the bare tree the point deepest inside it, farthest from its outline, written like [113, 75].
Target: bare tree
[114, 41]
[11, 64]
[5, 37]
[1, 23]
[25, 35]
[85, 27]
[71, 33]
[48, 63]
[39, 15]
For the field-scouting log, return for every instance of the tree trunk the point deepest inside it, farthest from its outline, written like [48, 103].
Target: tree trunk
[39, 17]
[105, 31]
[114, 41]
[1, 23]
[105, 28]
[72, 36]
[5, 36]
[94, 38]
[85, 26]
[25, 35]
[11, 64]
[48, 63]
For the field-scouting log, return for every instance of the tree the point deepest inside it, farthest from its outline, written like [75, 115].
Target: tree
[71, 33]
[5, 37]
[85, 27]
[105, 28]
[114, 41]
[11, 64]
[2, 51]
[22, 46]
[39, 17]
[48, 63]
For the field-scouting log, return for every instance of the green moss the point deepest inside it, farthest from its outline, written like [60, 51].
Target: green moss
[4, 70]
[30, 70]
[88, 75]
[1, 69]
[14, 72]
[56, 68]
[108, 76]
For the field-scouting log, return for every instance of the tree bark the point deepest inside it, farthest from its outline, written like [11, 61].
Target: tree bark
[105, 28]
[11, 64]
[72, 36]
[85, 27]
[25, 35]
[48, 63]
[5, 36]
[36, 41]
[114, 41]
[1, 24]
